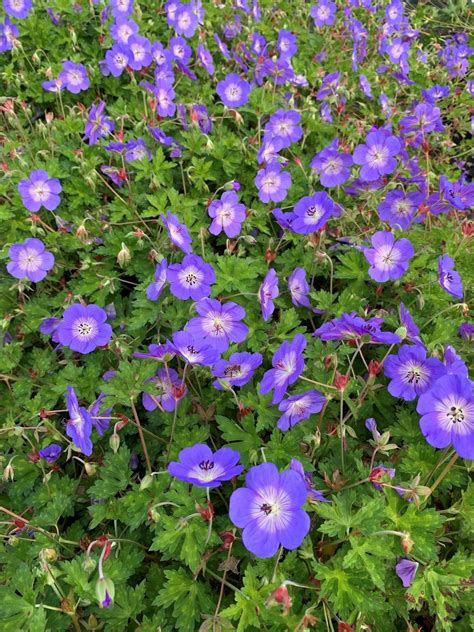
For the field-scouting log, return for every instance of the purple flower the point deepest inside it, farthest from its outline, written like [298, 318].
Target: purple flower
[218, 324]
[177, 232]
[288, 364]
[333, 167]
[312, 212]
[202, 467]
[286, 44]
[40, 190]
[51, 452]
[237, 370]
[313, 494]
[169, 390]
[122, 29]
[18, 9]
[180, 50]
[79, 426]
[8, 34]
[269, 510]
[280, 70]
[412, 331]
[377, 155]
[299, 288]
[30, 260]
[297, 408]
[233, 91]
[121, 8]
[192, 278]
[117, 59]
[162, 352]
[194, 350]
[426, 118]
[269, 150]
[447, 411]
[323, 13]
[365, 85]
[352, 327]
[140, 48]
[164, 95]
[466, 331]
[399, 208]
[205, 58]
[200, 114]
[100, 417]
[381, 472]
[153, 291]
[227, 215]
[406, 570]
[136, 149]
[398, 51]
[388, 258]
[272, 183]
[285, 126]
[411, 372]
[97, 124]
[74, 77]
[185, 21]
[267, 292]
[83, 328]
[329, 85]
[453, 364]
[448, 278]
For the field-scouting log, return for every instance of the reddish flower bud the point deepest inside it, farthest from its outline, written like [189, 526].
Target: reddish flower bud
[107, 549]
[33, 456]
[123, 421]
[467, 229]
[374, 368]
[407, 544]
[227, 538]
[270, 255]
[281, 595]
[340, 381]
[206, 513]
[297, 161]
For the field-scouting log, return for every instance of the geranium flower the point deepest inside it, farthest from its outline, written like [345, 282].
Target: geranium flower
[286, 44]
[177, 232]
[40, 190]
[18, 9]
[388, 258]
[323, 13]
[447, 415]
[272, 183]
[412, 330]
[448, 278]
[299, 288]
[74, 77]
[121, 8]
[399, 208]
[83, 328]
[8, 34]
[97, 125]
[269, 510]
[227, 215]
[194, 350]
[285, 126]
[154, 290]
[352, 327]
[267, 291]
[333, 166]
[307, 477]
[218, 323]
[288, 364]
[311, 213]
[79, 426]
[202, 467]
[122, 29]
[406, 570]
[376, 155]
[205, 59]
[192, 278]
[185, 21]
[411, 372]
[51, 452]
[237, 370]
[30, 260]
[233, 91]
[297, 408]
[169, 390]
[117, 59]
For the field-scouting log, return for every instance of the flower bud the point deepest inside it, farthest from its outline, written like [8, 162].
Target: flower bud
[90, 468]
[104, 591]
[89, 564]
[81, 233]
[114, 442]
[48, 555]
[154, 515]
[407, 543]
[146, 481]
[227, 538]
[281, 595]
[340, 381]
[123, 256]
[8, 473]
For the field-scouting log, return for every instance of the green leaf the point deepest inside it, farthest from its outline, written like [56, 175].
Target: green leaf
[115, 475]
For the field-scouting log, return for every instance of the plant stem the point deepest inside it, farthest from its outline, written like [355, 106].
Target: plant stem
[440, 478]
[142, 438]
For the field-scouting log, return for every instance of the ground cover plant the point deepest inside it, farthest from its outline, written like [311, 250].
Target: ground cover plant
[236, 271]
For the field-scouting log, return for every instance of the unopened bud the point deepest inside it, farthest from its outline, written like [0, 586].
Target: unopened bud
[35, 58]
[281, 595]
[89, 564]
[340, 381]
[123, 256]
[114, 442]
[81, 233]
[8, 473]
[48, 555]
[104, 591]
[407, 543]
[90, 468]
[146, 481]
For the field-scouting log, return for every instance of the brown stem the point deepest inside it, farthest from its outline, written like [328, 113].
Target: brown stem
[142, 438]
